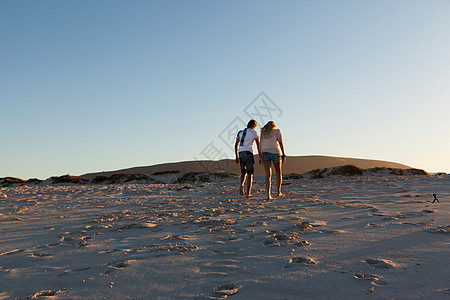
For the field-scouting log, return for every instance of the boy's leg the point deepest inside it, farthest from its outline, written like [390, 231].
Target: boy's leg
[242, 163]
[241, 187]
[249, 167]
[249, 184]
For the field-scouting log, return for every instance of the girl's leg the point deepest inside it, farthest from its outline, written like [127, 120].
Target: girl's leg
[277, 166]
[268, 171]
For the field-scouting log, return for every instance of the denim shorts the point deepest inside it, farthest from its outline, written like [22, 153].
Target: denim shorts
[247, 162]
[266, 156]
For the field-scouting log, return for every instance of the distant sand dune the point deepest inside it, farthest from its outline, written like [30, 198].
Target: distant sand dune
[294, 164]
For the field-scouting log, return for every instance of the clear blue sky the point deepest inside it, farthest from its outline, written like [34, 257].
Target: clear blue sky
[101, 85]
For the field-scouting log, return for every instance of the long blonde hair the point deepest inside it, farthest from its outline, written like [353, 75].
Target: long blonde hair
[266, 131]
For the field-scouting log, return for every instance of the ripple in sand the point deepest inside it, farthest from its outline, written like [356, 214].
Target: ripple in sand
[11, 252]
[440, 230]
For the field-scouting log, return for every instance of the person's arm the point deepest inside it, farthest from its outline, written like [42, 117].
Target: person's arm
[283, 156]
[236, 147]
[259, 151]
[280, 142]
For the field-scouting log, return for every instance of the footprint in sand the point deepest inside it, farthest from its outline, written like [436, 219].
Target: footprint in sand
[47, 293]
[303, 243]
[116, 266]
[120, 265]
[375, 280]
[331, 231]
[226, 290]
[380, 263]
[74, 270]
[82, 269]
[41, 254]
[446, 291]
[300, 260]
[371, 225]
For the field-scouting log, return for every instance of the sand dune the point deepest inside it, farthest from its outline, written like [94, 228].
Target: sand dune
[294, 164]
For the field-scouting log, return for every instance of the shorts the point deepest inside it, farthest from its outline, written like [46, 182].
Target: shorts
[247, 162]
[275, 157]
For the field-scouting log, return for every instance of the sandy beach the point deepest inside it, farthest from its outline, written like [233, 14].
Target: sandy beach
[359, 237]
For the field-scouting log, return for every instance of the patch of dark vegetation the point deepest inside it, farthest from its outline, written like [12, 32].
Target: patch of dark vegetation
[123, 178]
[194, 177]
[376, 170]
[69, 179]
[317, 173]
[203, 176]
[348, 170]
[417, 172]
[167, 172]
[405, 172]
[9, 181]
[351, 170]
[33, 181]
[224, 174]
[396, 171]
[292, 176]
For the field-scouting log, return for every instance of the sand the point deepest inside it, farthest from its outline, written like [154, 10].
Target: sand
[370, 237]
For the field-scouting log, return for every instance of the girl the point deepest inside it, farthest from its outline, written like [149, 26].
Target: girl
[272, 151]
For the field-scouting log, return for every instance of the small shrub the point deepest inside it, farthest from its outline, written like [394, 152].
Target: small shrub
[348, 170]
[225, 174]
[396, 171]
[317, 173]
[199, 176]
[68, 179]
[166, 172]
[34, 181]
[8, 181]
[188, 177]
[123, 178]
[417, 172]
[376, 169]
[292, 176]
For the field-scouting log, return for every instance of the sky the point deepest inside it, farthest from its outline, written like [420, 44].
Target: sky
[88, 86]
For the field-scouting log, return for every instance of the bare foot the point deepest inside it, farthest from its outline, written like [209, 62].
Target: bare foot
[249, 195]
[241, 191]
[281, 195]
[269, 197]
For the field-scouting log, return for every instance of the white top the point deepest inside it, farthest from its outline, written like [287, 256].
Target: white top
[271, 145]
[250, 137]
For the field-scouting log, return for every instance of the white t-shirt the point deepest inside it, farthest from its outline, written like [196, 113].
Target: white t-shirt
[271, 145]
[250, 137]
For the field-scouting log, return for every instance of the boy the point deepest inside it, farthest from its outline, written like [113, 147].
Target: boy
[243, 149]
